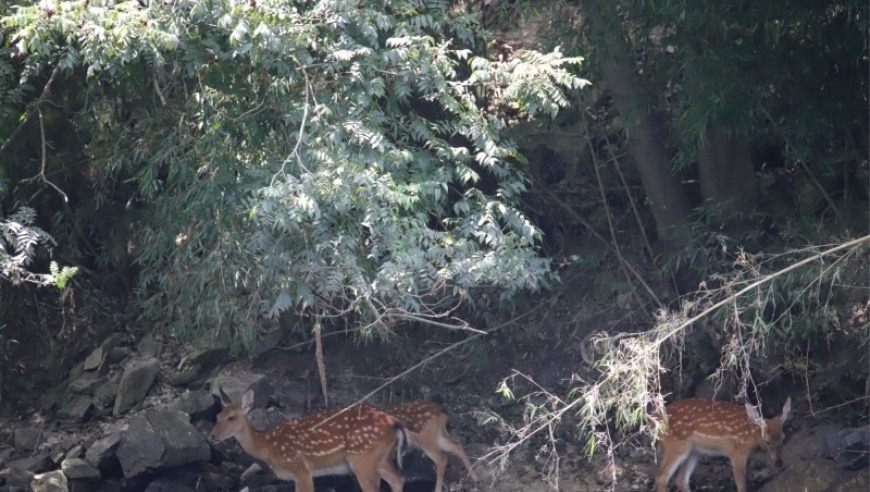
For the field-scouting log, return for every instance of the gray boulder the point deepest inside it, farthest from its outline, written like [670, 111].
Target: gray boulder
[160, 440]
[79, 469]
[101, 453]
[53, 481]
[849, 448]
[135, 383]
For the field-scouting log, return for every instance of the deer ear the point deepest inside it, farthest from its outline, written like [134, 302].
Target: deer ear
[248, 401]
[786, 410]
[754, 415]
[225, 399]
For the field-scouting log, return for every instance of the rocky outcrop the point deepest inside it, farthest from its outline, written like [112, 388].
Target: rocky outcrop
[158, 441]
[849, 448]
[137, 380]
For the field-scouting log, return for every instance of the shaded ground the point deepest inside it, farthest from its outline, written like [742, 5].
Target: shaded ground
[536, 349]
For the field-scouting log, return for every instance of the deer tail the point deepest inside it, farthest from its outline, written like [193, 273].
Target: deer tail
[402, 441]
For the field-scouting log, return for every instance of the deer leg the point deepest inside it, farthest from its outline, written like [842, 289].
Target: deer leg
[738, 463]
[685, 472]
[447, 444]
[440, 466]
[672, 458]
[366, 472]
[388, 472]
[303, 481]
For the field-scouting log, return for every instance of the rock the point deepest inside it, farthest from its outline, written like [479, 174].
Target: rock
[53, 481]
[76, 451]
[105, 395]
[290, 396]
[103, 486]
[6, 453]
[160, 440]
[38, 463]
[118, 354]
[86, 384]
[849, 448]
[80, 408]
[141, 449]
[85, 486]
[137, 380]
[276, 488]
[56, 455]
[198, 404]
[234, 384]
[184, 443]
[16, 477]
[66, 442]
[102, 452]
[860, 482]
[27, 439]
[76, 371]
[806, 443]
[167, 485]
[79, 469]
[149, 345]
[184, 376]
[266, 418]
[56, 397]
[95, 359]
[197, 476]
[211, 357]
[212, 477]
[814, 475]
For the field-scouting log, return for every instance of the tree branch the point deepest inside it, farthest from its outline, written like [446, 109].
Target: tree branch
[45, 92]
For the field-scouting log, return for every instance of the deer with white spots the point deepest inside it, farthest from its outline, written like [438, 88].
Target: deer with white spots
[698, 426]
[426, 428]
[357, 440]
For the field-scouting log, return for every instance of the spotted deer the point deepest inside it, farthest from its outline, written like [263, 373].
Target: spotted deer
[698, 426]
[358, 440]
[426, 428]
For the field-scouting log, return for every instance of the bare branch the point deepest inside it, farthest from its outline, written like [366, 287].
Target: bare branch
[46, 90]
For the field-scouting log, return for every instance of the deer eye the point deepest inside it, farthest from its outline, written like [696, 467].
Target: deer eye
[231, 418]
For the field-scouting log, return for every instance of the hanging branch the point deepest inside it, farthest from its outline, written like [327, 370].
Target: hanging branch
[44, 152]
[45, 92]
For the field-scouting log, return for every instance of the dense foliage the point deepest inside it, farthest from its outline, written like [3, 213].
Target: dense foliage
[755, 114]
[331, 156]
[758, 109]
[778, 72]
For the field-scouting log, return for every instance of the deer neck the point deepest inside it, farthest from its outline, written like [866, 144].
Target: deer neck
[252, 440]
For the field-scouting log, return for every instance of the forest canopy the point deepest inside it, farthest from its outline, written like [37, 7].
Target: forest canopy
[238, 158]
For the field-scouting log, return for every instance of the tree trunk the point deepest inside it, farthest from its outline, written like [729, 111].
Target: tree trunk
[668, 200]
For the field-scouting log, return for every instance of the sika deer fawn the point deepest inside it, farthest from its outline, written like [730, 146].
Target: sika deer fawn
[426, 428]
[331, 442]
[697, 426]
